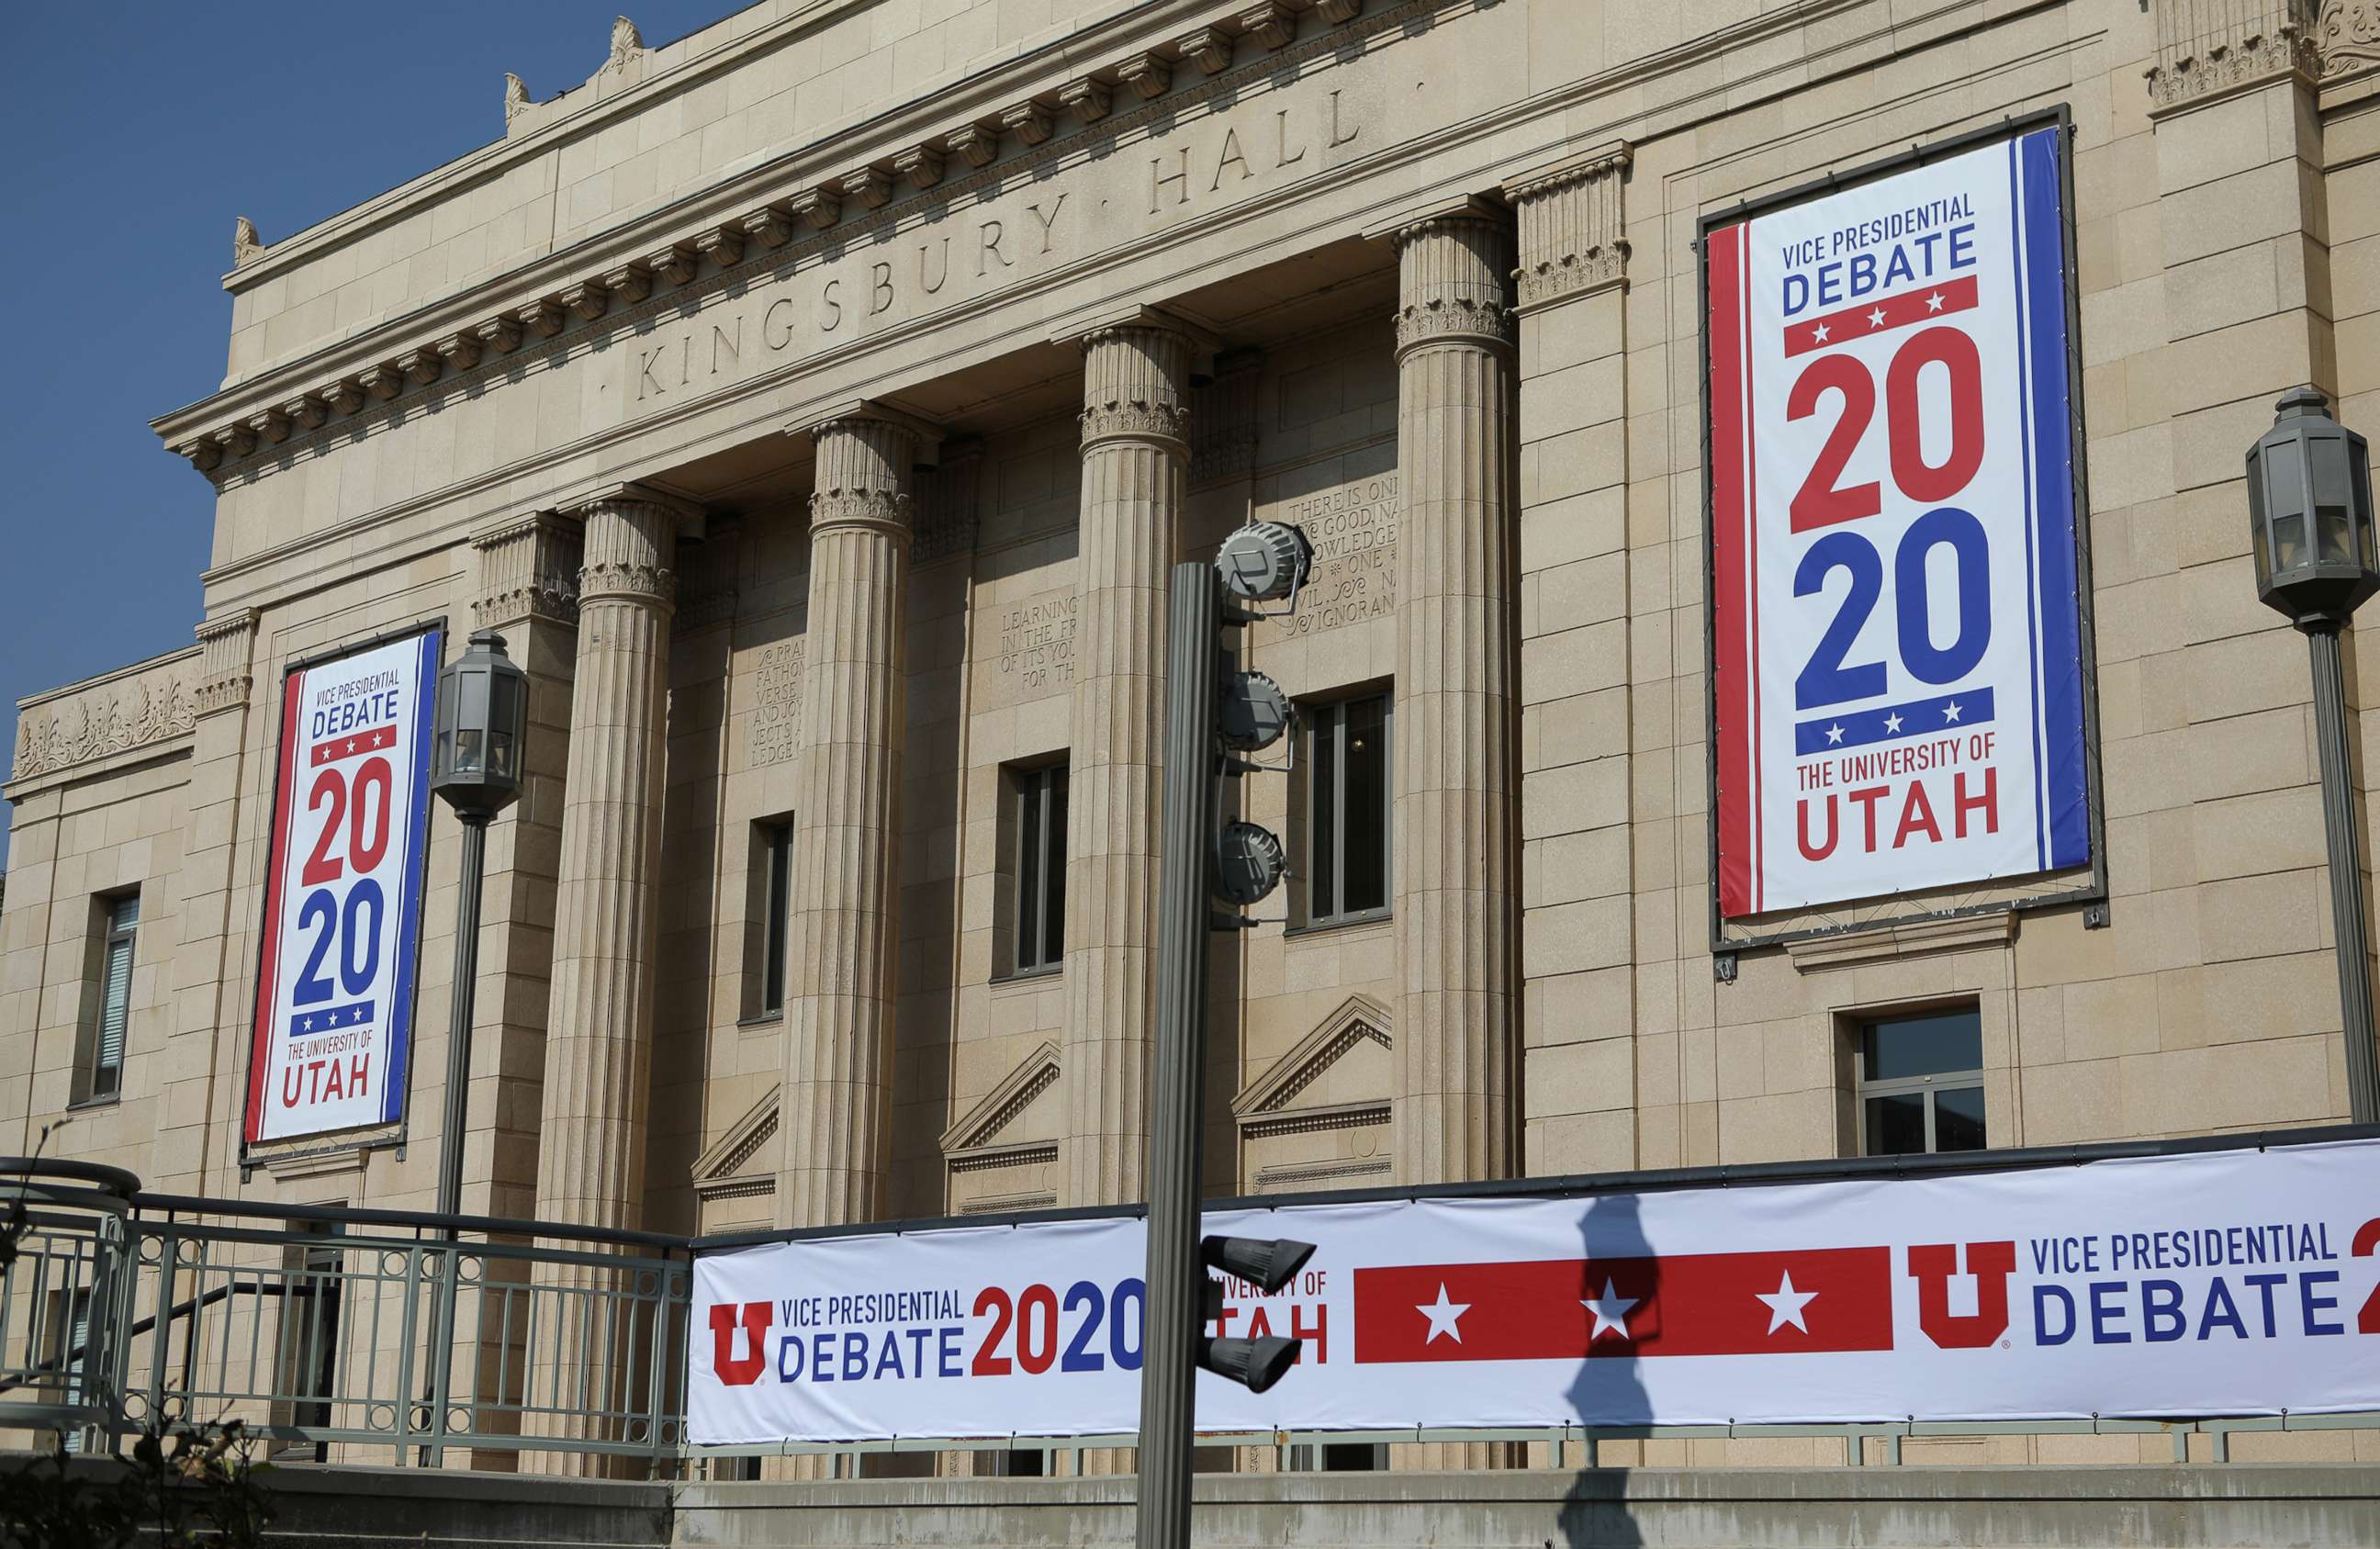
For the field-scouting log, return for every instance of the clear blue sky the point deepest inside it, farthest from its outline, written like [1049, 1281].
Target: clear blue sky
[136, 130]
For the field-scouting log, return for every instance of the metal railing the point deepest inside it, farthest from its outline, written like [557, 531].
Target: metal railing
[381, 1335]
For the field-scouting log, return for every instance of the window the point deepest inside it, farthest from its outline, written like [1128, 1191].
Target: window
[103, 1073]
[1921, 1083]
[777, 848]
[1347, 810]
[1337, 1458]
[307, 1357]
[1040, 934]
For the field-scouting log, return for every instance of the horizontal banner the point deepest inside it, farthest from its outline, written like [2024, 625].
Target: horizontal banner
[2226, 1283]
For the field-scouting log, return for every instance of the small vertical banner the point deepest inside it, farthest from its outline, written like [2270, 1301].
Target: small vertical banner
[1897, 637]
[343, 893]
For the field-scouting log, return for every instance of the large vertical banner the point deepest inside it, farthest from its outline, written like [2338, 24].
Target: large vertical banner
[343, 892]
[1897, 641]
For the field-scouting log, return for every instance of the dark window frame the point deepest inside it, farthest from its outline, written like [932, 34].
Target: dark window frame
[776, 922]
[1324, 845]
[1037, 808]
[116, 924]
[1929, 1084]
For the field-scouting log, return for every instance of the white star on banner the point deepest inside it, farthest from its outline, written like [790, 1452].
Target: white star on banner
[1610, 1312]
[1818, 335]
[1785, 1304]
[1443, 1316]
[1835, 732]
[1876, 318]
[1950, 711]
[351, 745]
[1892, 722]
[1934, 302]
[309, 1024]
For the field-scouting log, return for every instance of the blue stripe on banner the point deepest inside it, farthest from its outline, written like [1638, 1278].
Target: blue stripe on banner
[1892, 724]
[331, 1019]
[408, 919]
[2026, 323]
[2058, 693]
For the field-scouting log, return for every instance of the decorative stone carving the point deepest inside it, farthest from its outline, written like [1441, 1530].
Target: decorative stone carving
[382, 382]
[1444, 296]
[868, 184]
[502, 335]
[975, 142]
[529, 569]
[420, 367]
[2348, 36]
[2204, 51]
[587, 298]
[1149, 76]
[627, 43]
[516, 99]
[1338, 10]
[307, 410]
[1088, 99]
[768, 225]
[245, 244]
[458, 350]
[1209, 48]
[345, 397]
[270, 426]
[677, 263]
[1030, 122]
[921, 164]
[820, 207]
[630, 281]
[542, 318]
[1272, 24]
[223, 646]
[203, 454]
[142, 705]
[722, 245]
[1263, 1106]
[237, 440]
[1571, 228]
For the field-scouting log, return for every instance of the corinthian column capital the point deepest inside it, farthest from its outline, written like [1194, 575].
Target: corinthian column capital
[225, 642]
[1136, 376]
[866, 452]
[1572, 236]
[630, 536]
[1453, 285]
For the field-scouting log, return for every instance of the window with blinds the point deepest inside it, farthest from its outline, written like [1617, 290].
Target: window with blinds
[106, 1073]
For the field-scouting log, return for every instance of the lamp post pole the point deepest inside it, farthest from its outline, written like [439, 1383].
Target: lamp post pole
[2310, 533]
[460, 1010]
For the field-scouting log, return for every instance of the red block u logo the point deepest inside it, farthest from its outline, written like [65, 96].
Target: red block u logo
[731, 1371]
[1990, 1262]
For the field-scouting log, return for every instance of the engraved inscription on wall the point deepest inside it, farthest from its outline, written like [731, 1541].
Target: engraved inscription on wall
[1353, 529]
[776, 732]
[1037, 645]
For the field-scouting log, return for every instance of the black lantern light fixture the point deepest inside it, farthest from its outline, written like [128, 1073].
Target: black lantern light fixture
[2310, 530]
[475, 766]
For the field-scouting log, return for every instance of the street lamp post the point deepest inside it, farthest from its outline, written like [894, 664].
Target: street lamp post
[475, 767]
[2311, 530]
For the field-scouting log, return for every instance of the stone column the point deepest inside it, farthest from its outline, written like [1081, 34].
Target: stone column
[839, 1021]
[597, 1086]
[1455, 756]
[1136, 455]
[1577, 1020]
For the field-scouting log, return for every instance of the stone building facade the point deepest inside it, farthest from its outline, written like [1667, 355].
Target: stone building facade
[816, 404]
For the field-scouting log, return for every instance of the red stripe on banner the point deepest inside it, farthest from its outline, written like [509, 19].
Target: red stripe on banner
[1881, 315]
[354, 746]
[1764, 1303]
[260, 1034]
[1723, 255]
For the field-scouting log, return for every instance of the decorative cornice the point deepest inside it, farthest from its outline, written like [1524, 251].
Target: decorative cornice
[144, 705]
[2207, 53]
[819, 206]
[1571, 227]
[224, 647]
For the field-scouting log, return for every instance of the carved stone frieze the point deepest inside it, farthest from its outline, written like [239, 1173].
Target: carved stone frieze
[308, 409]
[1571, 228]
[643, 582]
[588, 298]
[382, 382]
[345, 395]
[146, 705]
[203, 454]
[460, 351]
[868, 184]
[975, 142]
[630, 281]
[420, 367]
[529, 569]
[502, 335]
[1149, 76]
[1272, 24]
[769, 227]
[236, 440]
[224, 677]
[675, 262]
[271, 425]
[1090, 100]
[543, 319]
[722, 245]
[1030, 122]
[921, 164]
[2348, 36]
[2204, 51]
[1209, 48]
[818, 207]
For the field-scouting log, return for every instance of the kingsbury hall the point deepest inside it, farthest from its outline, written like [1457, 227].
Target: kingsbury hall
[1667, 692]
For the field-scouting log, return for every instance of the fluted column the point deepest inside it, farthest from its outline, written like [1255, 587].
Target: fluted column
[838, 1081]
[598, 1086]
[1454, 807]
[1135, 453]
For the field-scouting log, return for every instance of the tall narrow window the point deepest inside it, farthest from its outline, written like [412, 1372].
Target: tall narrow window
[1347, 801]
[1040, 827]
[105, 1075]
[1921, 1083]
[777, 841]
